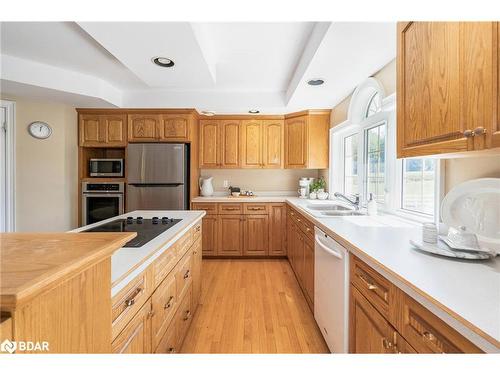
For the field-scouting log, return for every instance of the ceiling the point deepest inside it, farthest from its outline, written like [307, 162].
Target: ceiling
[223, 67]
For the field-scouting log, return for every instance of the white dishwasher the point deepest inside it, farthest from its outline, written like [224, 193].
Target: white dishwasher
[331, 291]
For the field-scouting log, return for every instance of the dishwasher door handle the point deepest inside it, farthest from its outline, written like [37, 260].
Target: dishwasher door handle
[327, 249]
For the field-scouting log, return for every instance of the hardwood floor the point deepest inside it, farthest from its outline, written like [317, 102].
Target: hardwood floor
[252, 306]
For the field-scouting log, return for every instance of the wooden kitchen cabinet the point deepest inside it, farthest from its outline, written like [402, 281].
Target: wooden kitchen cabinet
[251, 144]
[175, 127]
[209, 144]
[98, 130]
[494, 135]
[136, 337]
[144, 128]
[197, 262]
[229, 144]
[209, 235]
[306, 139]
[164, 304]
[230, 238]
[277, 229]
[308, 275]
[256, 237]
[447, 87]
[272, 143]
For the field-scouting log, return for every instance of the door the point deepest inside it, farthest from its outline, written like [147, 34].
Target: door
[115, 130]
[277, 229]
[230, 239]
[272, 137]
[175, 127]
[156, 163]
[136, 336]
[209, 235]
[92, 133]
[209, 144]
[144, 128]
[156, 197]
[97, 207]
[230, 143]
[429, 90]
[296, 142]
[164, 303]
[369, 333]
[309, 271]
[256, 235]
[251, 144]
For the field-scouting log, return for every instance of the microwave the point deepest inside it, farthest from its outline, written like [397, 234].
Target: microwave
[106, 167]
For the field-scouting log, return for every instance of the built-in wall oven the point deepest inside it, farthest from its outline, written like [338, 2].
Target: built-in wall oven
[101, 200]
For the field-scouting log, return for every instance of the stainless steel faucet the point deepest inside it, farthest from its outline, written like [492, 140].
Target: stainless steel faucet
[354, 202]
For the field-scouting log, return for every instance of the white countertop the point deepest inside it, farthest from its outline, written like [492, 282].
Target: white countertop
[465, 294]
[128, 262]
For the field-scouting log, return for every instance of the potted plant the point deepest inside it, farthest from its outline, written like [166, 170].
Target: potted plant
[318, 188]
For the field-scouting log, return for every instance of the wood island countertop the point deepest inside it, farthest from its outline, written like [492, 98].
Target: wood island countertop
[31, 263]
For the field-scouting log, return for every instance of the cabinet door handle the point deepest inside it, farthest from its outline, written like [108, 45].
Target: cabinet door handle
[256, 208]
[186, 275]
[151, 314]
[386, 343]
[428, 336]
[169, 303]
[131, 300]
[369, 285]
[188, 315]
[171, 350]
[468, 133]
[479, 130]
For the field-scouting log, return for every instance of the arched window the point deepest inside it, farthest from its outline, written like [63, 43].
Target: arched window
[373, 105]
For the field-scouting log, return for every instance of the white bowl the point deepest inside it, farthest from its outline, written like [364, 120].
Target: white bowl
[235, 193]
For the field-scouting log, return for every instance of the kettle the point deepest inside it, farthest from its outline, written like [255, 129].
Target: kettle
[206, 187]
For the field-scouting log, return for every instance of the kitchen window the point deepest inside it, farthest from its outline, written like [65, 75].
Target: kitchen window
[364, 149]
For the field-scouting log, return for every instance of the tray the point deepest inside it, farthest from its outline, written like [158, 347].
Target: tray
[441, 248]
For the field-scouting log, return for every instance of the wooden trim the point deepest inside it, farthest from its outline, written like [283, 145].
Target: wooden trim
[309, 112]
[242, 117]
[137, 110]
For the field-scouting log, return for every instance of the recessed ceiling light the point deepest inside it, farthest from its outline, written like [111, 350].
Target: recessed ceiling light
[315, 82]
[253, 111]
[163, 62]
[208, 113]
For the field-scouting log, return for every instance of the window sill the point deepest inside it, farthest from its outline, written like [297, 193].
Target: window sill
[413, 216]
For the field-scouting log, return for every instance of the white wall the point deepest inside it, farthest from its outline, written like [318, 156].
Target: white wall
[46, 170]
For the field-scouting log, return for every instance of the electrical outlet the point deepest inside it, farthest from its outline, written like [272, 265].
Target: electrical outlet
[226, 184]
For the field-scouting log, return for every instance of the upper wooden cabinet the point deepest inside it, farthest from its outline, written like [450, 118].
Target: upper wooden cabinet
[144, 128]
[102, 130]
[251, 144]
[230, 144]
[209, 144]
[272, 145]
[447, 84]
[306, 140]
[175, 127]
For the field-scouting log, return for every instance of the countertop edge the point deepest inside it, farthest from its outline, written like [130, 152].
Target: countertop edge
[480, 338]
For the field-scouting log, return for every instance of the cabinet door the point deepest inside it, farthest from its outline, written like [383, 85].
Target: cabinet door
[296, 142]
[175, 127]
[256, 235]
[369, 332]
[144, 128]
[272, 137]
[164, 304]
[209, 144]
[196, 248]
[429, 79]
[136, 336]
[230, 143]
[168, 343]
[209, 235]
[251, 144]
[230, 241]
[115, 129]
[494, 134]
[298, 257]
[277, 229]
[92, 132]
[309, 271]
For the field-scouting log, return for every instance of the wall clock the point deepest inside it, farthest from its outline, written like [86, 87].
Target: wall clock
[39, 130]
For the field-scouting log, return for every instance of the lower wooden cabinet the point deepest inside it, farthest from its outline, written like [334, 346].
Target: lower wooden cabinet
[136, 337]
[164, 303]
[277, 229]
[256, 239]
[209, 235]
[168, 343]
[230, 239]
[197, 256]
[384, 319]
[183, 318]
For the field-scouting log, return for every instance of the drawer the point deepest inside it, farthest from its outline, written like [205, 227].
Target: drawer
[196, 231]
[135, 338]
[184, 275]
[168, 343]
[164, 264]
[255, 208]
[183, 244]
[164, 303]
[230, 208]
[428, 334]
[183, 318]
[377, 289]
[210, 208]
[129, 301]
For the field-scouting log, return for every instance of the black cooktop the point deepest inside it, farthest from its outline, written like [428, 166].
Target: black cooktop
[146, 229]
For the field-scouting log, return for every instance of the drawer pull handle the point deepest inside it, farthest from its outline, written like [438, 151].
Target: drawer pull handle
[308, 229]
[256, 208]
[188, 315]
[468, 133]
[151, 314]
[186, 275]
[171, 350]
[198, 228]
[386, 343]
[479, 130]
[369, 285]
[428, 336]
[131, 300]
[169, 303]
[230, 208]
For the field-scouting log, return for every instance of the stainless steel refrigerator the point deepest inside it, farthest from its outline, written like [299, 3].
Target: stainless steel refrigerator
[157, 176]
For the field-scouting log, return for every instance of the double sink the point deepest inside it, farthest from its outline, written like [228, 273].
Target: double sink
[331, 209]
